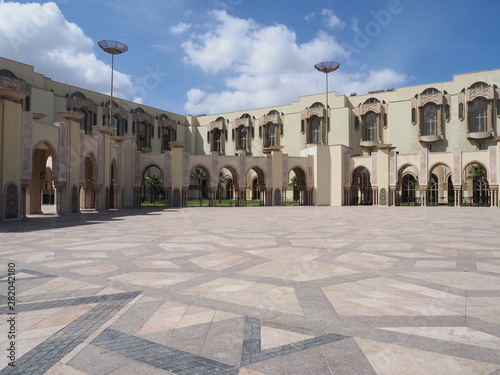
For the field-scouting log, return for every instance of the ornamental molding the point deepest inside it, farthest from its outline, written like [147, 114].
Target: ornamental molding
[166, 122]
[242, 122]
[423, 177]
[430, 98]
[221, 125]
[481, 92]
[15, 84]
[493, 175]
[267, 119]
[73, 104]
[140, 117]
[26, 146]
[311, 112]
[364, 108]
[393, 168]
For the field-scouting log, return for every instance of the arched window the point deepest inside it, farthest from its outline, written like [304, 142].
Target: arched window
[430, 91]
[217, 138]
[430, 125]
[433, 190]
[271, 135]
[7, 73]
[144, 135]
[315, 133]
[408, 189]
[479, 116]
[116, 126]
[85, 121]
[370, 127]
[78, 95]
[242, 138]
[479, 85]
[167, 138]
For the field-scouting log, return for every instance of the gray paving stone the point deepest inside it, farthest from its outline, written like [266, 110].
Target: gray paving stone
[95, 361]
[423, 257]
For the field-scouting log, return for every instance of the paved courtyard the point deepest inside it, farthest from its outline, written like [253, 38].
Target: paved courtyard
[253, 290]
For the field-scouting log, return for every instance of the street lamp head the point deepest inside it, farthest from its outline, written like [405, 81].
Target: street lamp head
[327, 66]
[113, 47]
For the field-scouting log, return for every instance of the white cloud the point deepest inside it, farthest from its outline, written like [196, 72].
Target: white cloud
[309, 17]
[179, 28]
[331, 20]
[355, 25]
[38, 34]
[264, 66]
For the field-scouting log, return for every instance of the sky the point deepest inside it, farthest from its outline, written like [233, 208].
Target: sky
[215, 56]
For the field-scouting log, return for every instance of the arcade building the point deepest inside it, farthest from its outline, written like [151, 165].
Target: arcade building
[432, 144]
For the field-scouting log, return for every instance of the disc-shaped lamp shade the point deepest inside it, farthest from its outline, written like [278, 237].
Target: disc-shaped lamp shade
[113, 47]
[327, 66]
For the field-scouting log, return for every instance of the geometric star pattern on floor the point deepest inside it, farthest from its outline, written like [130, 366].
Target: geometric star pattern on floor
[257, 291]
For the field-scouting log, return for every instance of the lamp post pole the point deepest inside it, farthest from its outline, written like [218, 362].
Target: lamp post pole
[327, 67]
[113, 48]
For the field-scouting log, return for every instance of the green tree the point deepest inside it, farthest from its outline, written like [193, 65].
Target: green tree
[293, 182]
[478, 173]
[154, 184]
[198, 175]
[223, 179]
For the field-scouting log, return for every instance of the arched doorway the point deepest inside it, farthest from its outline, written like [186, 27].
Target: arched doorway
[408, 192]
[88, 199]
[227, 193]
[41, 191]
[199, 193]
[361, 187]
[298, 187]
[152, 188]
[256, 192]
[476, 190]
[438, 189]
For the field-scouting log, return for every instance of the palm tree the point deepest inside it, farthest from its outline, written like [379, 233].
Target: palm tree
[223, 179]
[293, 182]
[155, 186]
[477, 173]
[198, 175]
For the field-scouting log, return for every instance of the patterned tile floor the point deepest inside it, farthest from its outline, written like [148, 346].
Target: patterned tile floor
[254, 290]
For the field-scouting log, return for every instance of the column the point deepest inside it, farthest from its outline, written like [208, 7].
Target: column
[490, 115]
[440, 118]
[423, 196]
[177, 170]
[375, 196]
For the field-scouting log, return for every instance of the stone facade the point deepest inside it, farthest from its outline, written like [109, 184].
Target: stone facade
[420, 145]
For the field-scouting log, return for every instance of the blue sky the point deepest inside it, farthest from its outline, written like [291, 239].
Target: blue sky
[212, 56]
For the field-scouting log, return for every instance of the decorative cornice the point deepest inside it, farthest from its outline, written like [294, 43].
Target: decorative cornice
[242, 122]
[141, 117]
[221, 125]
[74, 104]
[273, 119]
[13, 88]
[311, 112]
[166, 122]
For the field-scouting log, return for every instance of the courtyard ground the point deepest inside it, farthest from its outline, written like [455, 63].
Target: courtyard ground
[252, 290]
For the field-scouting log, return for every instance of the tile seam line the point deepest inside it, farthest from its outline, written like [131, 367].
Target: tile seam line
[68, 357]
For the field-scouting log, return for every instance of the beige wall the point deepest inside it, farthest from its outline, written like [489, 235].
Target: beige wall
[328, 168]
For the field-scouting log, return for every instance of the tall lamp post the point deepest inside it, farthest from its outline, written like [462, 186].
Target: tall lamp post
[113, 48]
[327, 67]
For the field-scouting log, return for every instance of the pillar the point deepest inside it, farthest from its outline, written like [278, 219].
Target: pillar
[177, 170]
[277, 174]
